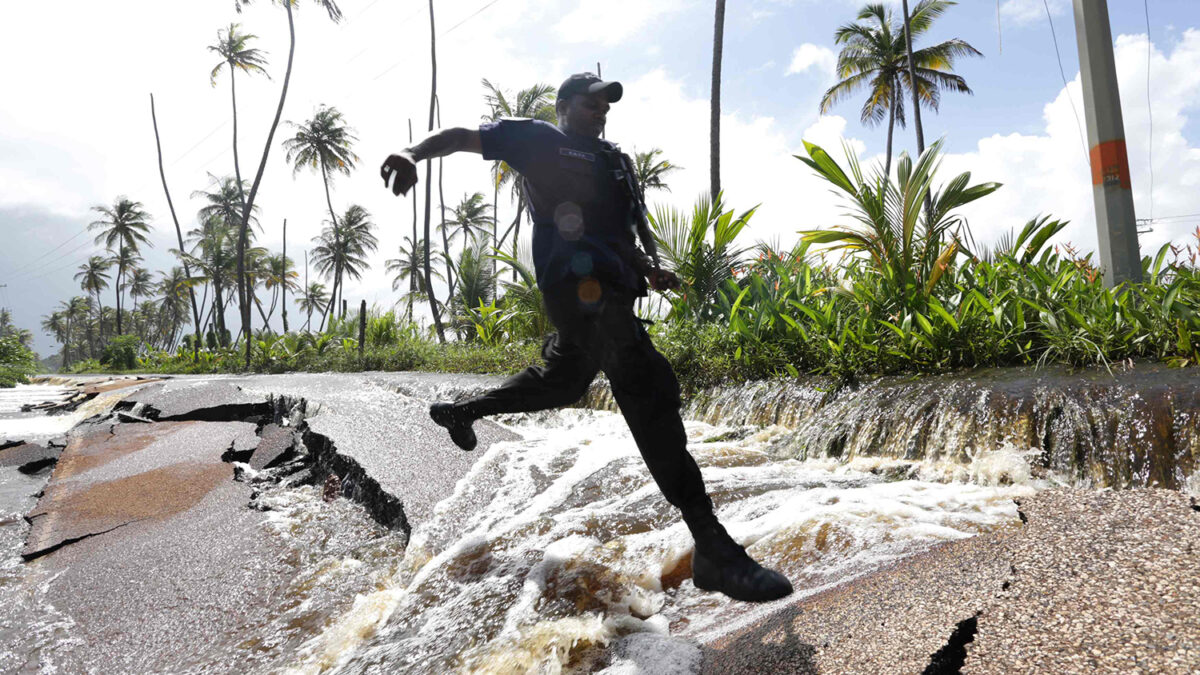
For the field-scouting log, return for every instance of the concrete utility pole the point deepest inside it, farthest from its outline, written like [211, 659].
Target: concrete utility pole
[1116, 224]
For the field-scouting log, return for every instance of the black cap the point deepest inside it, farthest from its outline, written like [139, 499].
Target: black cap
[587, 83]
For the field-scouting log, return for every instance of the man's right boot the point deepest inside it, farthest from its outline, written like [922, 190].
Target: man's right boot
[720, 564]
[458, 421]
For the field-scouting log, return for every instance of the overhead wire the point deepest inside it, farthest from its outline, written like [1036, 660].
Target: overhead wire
[1066, 87]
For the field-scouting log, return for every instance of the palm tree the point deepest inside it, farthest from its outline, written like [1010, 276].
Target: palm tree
[474, 286]
[124, 226]
[78, 308]
[281, 277]
[312, 297]
[139, 285]
[470, 219]
[714, 122]
[224, 201]
[408, 267]
[433, 308]
[173, 287]
[93, 278]
[536, 102]
[178, 230]
[335, 15]
[651, 170]
[702, 250]
[214, 255]
[323, 144]
[874, 55]
[56, 324]
[234, 52]
[341, 250]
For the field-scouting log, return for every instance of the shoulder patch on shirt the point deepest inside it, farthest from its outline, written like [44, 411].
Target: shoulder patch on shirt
[577, 154]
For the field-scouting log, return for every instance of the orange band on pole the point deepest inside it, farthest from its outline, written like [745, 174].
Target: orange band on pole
[1110, 164]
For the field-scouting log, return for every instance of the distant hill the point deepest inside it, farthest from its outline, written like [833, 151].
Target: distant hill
[52, 363]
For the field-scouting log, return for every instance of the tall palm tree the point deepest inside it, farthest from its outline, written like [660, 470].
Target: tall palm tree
[433, 308]
[234, 52]
[178, 230]
[409, 267]
[341, 250]
[651, 170]
[335, 15]
[874, 56]
[123, 226]
[312, 297]
[129, 259]
[93, 278]
[714, 121]
[536, 102]
[323, 144]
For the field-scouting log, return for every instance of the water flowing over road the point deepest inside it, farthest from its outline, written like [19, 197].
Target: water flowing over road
[549, 550]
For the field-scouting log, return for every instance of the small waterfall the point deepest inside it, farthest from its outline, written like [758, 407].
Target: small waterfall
[1131, 428]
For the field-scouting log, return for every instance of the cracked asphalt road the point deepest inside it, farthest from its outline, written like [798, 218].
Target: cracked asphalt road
[1094, 581]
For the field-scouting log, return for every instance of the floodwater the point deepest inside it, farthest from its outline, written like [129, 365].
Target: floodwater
[576, 564]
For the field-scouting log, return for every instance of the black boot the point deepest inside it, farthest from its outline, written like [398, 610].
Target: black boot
[720, 564]
[457, 421]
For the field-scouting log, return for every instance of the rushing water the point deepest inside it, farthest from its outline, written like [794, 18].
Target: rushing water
[556, 553]
[576, 563]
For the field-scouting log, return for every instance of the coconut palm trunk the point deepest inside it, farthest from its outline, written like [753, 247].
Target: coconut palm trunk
[283, 286]
[437, 321]
[887, 166]
[248, 203]
[243, 232]
[715, 117]
[337, 272]
[119, 285]
[178, 231]
[442, 207]
[912, 77]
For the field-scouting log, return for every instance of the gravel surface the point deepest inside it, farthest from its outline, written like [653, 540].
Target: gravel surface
[1092, 582]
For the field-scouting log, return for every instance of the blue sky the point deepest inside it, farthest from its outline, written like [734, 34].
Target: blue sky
[74, 124]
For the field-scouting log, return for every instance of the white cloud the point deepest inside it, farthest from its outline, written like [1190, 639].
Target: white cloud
[1049, 172]
[613, 21]
[1024, 12]
[809, 56]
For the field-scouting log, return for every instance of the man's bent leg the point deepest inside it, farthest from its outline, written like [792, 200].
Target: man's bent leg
[647, 392]
[562, 381]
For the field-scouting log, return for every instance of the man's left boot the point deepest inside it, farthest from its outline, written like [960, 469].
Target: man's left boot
[458, 421]
[720, 564]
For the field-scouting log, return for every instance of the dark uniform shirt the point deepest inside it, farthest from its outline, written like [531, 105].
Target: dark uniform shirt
[582, 222]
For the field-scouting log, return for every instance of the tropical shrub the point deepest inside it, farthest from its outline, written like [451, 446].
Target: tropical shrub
[17, 362]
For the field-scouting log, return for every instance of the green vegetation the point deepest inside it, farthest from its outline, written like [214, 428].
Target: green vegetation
[17, 362]
[904, 290]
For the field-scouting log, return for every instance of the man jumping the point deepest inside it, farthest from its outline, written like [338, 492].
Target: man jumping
[586, 208]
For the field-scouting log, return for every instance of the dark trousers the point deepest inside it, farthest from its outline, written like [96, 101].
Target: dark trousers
[607, 336]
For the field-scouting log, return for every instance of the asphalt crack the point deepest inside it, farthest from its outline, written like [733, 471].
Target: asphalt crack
[953, 655]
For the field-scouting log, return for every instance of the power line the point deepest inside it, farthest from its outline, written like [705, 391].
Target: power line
[1149, 105]
[477, 12]
[22, 268]
[1186, 216]
[1066, 87]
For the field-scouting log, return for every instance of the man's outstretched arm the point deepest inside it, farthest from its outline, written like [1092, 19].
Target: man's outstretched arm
[399, 171]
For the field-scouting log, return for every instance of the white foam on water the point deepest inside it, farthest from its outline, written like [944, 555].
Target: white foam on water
[37, 426]
[557, 553]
